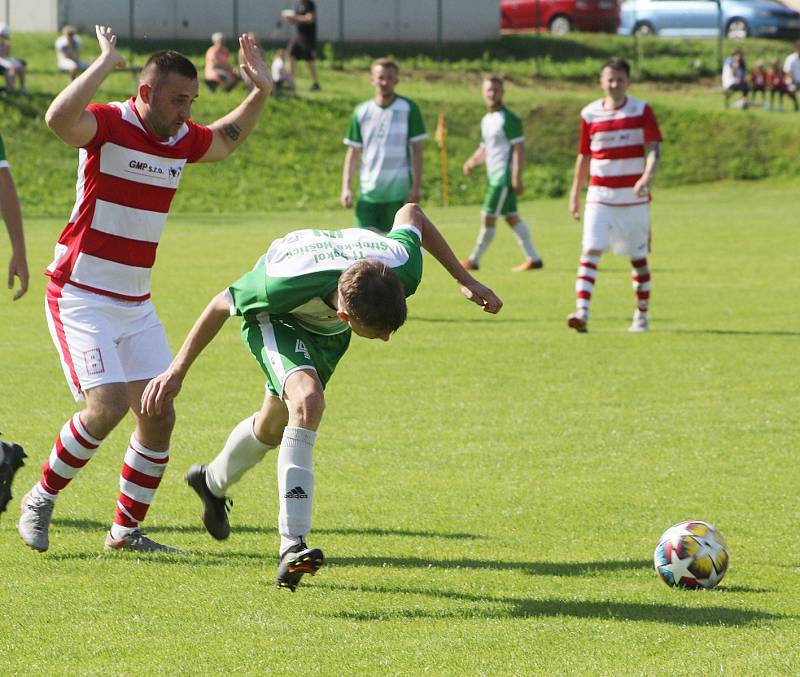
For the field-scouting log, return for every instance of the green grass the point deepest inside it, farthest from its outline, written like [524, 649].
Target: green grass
[293, 159]
[489, 489]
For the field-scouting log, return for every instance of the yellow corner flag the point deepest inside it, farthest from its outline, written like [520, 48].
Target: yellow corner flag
[441, 141]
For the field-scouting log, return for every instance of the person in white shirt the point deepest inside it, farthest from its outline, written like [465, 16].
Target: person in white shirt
[791, 67]
[68, 52]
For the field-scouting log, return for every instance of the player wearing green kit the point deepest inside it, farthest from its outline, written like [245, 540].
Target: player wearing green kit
[502, 149]
[387, 132]
[299, 306]
[11, 455]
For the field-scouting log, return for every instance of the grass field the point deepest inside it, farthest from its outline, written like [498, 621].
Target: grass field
[489, 489]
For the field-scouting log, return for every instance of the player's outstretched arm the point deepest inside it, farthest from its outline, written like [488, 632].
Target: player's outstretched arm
[434, 243]
[67, 115]
[229, 132]
[165, 387]
[12, 215]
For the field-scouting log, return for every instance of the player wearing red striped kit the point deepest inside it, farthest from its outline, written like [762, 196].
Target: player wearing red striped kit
[98, 307]
[619, 152]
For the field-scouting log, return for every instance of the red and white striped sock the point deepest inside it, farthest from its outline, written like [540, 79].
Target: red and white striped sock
[141, 474]
[584, 283]
[73, 448]
[640, 276]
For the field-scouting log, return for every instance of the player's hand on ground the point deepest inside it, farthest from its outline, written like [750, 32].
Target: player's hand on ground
[18, 267]
[483, 296]
[518, 186]
[254, 64]
[161, 390]
[107, 39]
[346, 198]
[575, 207]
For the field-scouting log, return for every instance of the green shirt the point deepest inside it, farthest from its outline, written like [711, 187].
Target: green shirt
[384, 135]
[3, 161]
[300, 270]
[500, 131]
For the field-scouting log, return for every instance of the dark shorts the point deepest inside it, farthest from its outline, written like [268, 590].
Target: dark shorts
[302, 49]
[377, 216]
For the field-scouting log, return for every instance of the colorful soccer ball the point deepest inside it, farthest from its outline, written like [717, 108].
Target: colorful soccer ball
[691, 554]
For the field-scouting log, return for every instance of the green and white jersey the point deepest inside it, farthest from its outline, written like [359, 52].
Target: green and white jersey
[300, 270]
[384, 135]
[500, 131]
[3, 161]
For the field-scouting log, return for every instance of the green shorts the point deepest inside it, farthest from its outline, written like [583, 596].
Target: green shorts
[378, 216]
[281, 346]
[500, 201]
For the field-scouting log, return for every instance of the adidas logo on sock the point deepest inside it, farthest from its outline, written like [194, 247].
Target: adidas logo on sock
[297, 492]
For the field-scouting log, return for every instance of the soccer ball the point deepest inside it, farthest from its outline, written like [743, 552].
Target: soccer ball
[691, 554]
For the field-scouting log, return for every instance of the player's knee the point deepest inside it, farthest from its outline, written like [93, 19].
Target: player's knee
[306, 407]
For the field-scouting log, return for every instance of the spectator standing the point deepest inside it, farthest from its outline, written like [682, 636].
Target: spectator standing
[68, 52]
[14, 68]
[102, 321]
[734, 78]
[218, 64]
[303, 43]
[779, 86]
[383, 132]
[502, 149]
[619, 150]
[758, 81]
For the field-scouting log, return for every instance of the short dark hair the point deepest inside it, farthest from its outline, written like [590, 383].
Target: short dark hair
[617, 63]
[372, 294]
[495, 77]
[385, 62]
[168, 61]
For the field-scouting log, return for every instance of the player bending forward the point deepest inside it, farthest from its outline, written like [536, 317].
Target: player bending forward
[299, 306]
[619, 150]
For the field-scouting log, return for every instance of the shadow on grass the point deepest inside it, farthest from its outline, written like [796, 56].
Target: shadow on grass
[465, 320]
[477, 606]
[732, 332]
[71, 523]
[532, 568]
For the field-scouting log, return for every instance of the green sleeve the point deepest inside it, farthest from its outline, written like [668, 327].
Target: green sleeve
[249, 292]
[410, 273]
[354, 133]
[416, 125]
[512, 126]
[2, 150]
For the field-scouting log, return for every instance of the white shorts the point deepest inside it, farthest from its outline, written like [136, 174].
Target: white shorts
[626, 228]
[68, 65]
[104, 340]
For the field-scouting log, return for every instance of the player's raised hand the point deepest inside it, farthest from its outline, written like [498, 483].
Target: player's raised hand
[483, 296]
[161, 390]
[107, 39]
[254, 64]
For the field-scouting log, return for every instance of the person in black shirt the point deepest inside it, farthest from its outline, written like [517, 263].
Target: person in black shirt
[303, 44]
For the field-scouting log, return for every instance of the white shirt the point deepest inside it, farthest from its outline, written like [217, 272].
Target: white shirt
[792, 67]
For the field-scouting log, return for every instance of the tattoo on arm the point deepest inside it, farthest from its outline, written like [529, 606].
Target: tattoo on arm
[232, 131]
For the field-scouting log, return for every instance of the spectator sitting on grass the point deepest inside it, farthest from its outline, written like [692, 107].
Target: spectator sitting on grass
[14, 69]
[758, 80]
[68, 52]
[778, 85]
[218, 64]
[280, 74]
[734, 78]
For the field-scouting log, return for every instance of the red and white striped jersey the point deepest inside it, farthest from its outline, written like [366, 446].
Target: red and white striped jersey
[615, 138]
[127, 177]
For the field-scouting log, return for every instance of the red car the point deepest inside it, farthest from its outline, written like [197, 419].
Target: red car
[559, 16]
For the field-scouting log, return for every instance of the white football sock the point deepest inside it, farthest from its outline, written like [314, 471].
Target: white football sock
[40, 492]
[295, 485]
[524, 240]
[241, 452]
[485, 237]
